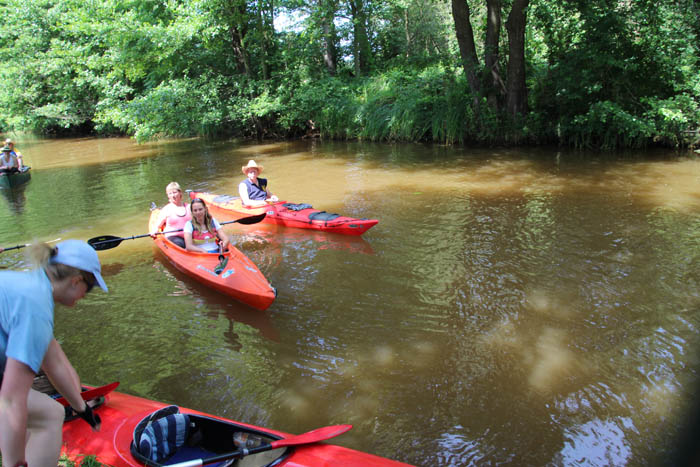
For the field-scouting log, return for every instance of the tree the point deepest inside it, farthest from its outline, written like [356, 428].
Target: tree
[516, 91]
[487, 81]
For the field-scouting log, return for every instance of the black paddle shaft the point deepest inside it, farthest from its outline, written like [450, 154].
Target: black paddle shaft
[107, 242]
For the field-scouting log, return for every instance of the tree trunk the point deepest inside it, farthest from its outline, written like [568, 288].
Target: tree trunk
[329, 35]
[242, 60]
[516, 101]
[264, 41]
[495, 87]
[236, 15]
[360, 38]
[467, 49]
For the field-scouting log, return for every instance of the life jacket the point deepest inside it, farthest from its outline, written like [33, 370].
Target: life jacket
[207, 240]
[257, 192]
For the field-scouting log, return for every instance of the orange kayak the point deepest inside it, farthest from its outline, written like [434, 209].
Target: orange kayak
[300, 216]
[240, 278]
[122, 416]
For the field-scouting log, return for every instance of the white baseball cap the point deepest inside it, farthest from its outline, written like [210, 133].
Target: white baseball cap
[79, 254]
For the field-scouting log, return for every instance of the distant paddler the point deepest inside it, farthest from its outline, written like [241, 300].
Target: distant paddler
[18, 155]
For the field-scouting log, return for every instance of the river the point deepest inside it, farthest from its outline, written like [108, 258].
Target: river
[512, 306]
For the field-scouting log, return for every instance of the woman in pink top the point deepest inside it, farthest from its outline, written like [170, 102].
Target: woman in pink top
[174, 215]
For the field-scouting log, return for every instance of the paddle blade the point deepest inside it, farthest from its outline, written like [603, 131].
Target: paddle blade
[105, 242]
[313, 436]
[251, 219]
[92, 393]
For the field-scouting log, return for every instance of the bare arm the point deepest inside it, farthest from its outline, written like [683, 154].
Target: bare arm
[63, 376]
[17, 380]
[245, 199]
[224, 239]
[160, 222]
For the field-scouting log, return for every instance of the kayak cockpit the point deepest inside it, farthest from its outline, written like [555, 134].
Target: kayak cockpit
[169, 437]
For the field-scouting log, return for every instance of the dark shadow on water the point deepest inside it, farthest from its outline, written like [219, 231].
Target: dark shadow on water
[16, 198]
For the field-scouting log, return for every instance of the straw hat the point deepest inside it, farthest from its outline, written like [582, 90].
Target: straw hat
[251, 165]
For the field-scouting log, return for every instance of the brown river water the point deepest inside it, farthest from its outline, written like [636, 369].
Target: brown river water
[512, 307]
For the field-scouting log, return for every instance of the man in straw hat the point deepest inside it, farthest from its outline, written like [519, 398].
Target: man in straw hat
[253, 190]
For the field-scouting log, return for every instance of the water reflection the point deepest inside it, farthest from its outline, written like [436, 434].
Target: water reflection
[15, 198]
[215, 305]
[512, 307]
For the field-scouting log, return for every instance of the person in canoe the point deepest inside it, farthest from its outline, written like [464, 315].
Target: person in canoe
[18, 155]
[30, 421]
[8, 162]
[203, 233]
[253, 190]
[174, 215]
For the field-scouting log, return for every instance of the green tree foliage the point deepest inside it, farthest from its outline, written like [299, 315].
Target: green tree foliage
[597, 73]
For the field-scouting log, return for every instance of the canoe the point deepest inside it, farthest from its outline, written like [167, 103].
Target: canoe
[15, 179]
[240, 278]
[121, 415]
[301, 216]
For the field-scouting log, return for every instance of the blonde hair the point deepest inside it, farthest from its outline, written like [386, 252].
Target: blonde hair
[40, 255]
[173, 185]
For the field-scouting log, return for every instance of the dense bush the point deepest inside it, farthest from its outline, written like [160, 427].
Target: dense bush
[600, 74]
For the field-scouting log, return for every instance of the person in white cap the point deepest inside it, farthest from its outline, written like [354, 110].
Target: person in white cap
[253, 190]
[65, 273]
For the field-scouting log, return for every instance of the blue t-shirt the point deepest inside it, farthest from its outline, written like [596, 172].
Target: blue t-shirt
[26, 317]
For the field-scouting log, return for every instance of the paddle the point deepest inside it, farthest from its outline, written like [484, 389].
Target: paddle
[313, 436]
[91, 394]
[27, 244]
[107, 242]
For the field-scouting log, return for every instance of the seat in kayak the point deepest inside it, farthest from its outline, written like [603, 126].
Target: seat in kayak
[167, 437]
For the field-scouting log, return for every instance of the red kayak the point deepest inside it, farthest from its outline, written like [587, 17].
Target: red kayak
[236, 276]
[301, 216]
[168, 435]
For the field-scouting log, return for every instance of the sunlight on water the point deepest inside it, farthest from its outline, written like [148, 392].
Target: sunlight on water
[597, 442]
[551, 361]
[512, 307]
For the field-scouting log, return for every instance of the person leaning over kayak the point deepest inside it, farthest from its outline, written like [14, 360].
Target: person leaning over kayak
[203, 233]
[174, 215]
[30, 421]
[253, 190]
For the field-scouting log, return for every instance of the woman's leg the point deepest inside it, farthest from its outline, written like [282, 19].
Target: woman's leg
[179, 241]
[44, 429]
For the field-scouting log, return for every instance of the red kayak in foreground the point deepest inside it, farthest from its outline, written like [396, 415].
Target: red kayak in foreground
[175, 435]
[301, 216]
